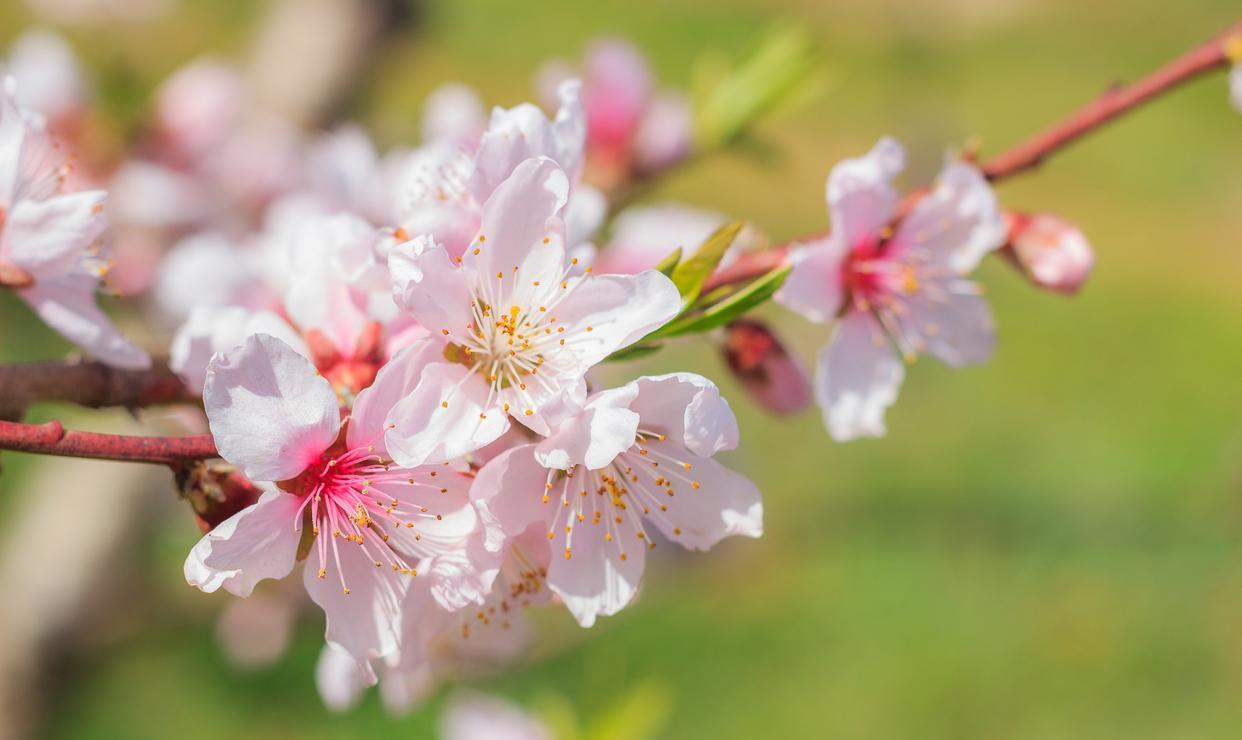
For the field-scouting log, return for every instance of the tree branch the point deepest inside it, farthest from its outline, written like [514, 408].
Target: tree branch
[53, 439]
[1211, 56]
[90, 384]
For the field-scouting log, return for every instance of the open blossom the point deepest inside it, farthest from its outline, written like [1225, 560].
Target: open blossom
[49, 239]
[372, 526]
[520, 331]
[635, 457]
[893, 292]
[1051, 251]
[439, 644]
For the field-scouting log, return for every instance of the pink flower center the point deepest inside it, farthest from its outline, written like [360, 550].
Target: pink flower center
[343, 495]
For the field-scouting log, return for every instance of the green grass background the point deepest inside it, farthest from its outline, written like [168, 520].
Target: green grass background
[1048, 546]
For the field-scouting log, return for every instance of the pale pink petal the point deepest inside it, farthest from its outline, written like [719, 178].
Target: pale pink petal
[453, 113]
[258, 542]
[395, 380]
[1052, 252]
[522, 133]
[402, 690]
[51, 237]
[584, 214]
[956, 223]
[958, 330]
[616, 88]
[446, 416]
[211, 329]
[519, 216]
[619, 309]
[67, 304]
[642, 236]
[472, 716]
[13, 133]
[689, 409]
[599, 578]
[666, 133]
[508, 492]
[427, 284]
[724, 504]
[270, 413]
[341, 678]
[1235, 85]
[815, 288]
[206, 269]
[857, 376]
[603, 429]
[362, 603]
[861, 197]
[316, 273]
[254, 632]
[48, 75]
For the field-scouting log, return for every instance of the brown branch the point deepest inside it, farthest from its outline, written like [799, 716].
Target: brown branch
[1113, 103]
[90, 384]
[1208, 57]
[53, 439]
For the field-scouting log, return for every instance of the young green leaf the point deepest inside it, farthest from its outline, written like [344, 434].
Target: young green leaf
[730, 308]
[689, 275]
[669, 263]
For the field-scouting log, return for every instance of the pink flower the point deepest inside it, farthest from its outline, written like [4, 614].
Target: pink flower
[635, 457]
[472, 716]
[893, 292]
[49, 239]
[372, 526]
[1051, 251]
[520, 332]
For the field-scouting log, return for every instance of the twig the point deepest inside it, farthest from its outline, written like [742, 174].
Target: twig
[90, 384]
[53, 439]
[1208, 57]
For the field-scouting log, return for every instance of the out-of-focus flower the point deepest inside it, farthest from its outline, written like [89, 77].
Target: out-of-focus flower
[774, 378]
[454, 114]
[197, 107]
[1233, 50]
[1050, 251]
[893, 292]
[49, 81]
[633, 457]
[474, 716]
[49, 239]
[255, 632]
[631, 128]
[372, 525]
[519, 331]
[642, 236]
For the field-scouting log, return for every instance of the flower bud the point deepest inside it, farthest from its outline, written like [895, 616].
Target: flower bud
[216, 491]
[774, 378]
[1050, 251]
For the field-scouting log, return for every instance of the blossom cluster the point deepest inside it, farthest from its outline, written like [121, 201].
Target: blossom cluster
[399, 354]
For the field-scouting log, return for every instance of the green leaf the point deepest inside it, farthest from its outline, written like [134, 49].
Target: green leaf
[669, 263]
[690, 274]
[633, 352]
[730, 308]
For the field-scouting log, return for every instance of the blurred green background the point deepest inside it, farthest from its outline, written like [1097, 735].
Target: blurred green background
[1049, 546]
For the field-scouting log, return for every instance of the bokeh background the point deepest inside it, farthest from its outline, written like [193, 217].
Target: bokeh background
[1048, 546]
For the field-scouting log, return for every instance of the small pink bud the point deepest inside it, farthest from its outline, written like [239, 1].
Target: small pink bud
[1050, 251]
[774, 378]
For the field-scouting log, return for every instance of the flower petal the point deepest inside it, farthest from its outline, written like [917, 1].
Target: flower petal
[446, 416]
[271, 414]
[599, 577]
[815, 287]
[689, 409]
[427, 284]
[365, 621]
[861, 198]
[395, 380]
[725, 503]
[51, 237]
[67, 304]
[508, 493]
[616, 311]
[857, 377]
[258, 542]
[964, 331]
[341, 679]
[603, 429]
[956, 223]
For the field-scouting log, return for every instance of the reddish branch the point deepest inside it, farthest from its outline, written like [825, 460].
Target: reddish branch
[1118, 100]
[53, 439]
[91, 384]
